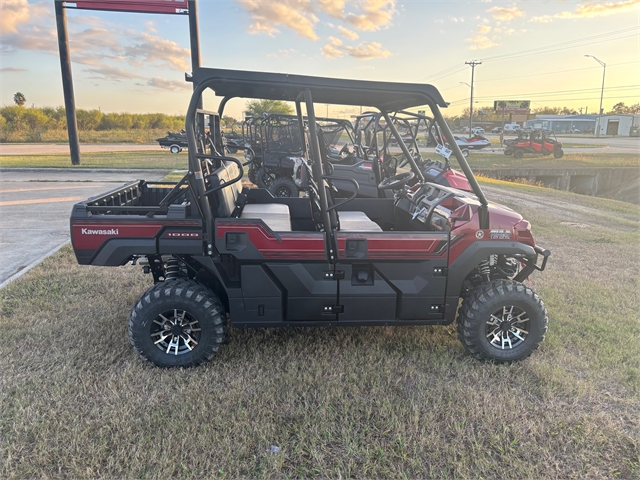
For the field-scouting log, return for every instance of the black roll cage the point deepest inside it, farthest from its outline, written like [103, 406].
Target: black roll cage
[385, 96]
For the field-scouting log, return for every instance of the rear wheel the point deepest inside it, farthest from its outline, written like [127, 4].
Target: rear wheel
[177, 323]
[518, 153]
[558, 153]
[264, 179]
[503, 321]
[284, 187]
[465, 152]
[252, 173]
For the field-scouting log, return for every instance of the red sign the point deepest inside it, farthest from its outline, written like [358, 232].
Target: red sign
[141, 6]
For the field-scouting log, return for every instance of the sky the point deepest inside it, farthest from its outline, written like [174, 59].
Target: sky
[530, 50]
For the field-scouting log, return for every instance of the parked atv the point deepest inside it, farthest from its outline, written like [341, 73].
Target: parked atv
[536, 142]
[220, 253]
[233, 142]
[175, 142]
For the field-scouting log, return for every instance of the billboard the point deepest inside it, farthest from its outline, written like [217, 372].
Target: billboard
[512, 105]
[140, 6]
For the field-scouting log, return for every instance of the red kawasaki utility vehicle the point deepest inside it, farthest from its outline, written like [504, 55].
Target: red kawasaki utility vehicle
[219, 253]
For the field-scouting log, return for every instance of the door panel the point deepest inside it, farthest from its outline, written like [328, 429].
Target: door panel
[308, 290]
[407, 277]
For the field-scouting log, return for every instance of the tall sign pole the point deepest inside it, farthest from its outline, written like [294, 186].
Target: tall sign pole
[473, 64]
[194, 39]
[172, 7]
[67, 82]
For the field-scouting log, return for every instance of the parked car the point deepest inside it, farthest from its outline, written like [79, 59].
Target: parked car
[496, 130]
[512, 128]
[477, 131]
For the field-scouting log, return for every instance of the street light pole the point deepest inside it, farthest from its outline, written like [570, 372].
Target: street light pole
[473, 64]
[604, 70]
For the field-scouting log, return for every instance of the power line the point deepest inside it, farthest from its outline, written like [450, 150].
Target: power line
[552, 73]
[564, 45]
[540, 50]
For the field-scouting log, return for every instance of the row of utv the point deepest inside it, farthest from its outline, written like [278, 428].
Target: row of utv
[360, 152]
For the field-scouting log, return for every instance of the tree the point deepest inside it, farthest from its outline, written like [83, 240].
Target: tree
[228, 121]
[19, 99]
[620, 108]
[255, 108]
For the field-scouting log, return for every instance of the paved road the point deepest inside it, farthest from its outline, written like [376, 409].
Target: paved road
[46, 148]
[35, 207]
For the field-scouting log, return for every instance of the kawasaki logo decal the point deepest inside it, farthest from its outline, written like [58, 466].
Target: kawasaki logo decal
[88, 231]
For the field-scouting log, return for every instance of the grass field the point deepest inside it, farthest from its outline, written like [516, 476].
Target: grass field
[142, 159]
[76, 402]
[92, 136]
[164, 159]
[569, 160]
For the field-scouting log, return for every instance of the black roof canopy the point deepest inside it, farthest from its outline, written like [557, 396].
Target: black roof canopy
[390, 96]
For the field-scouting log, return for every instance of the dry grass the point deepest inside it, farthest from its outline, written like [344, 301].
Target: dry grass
[91, 136]
[156, 158]
[359, 402]
[569, 160]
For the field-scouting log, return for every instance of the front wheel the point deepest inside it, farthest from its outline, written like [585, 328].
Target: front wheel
[558, 153]
[519, 153]
[175, 149]
[177, 323]
[503, 321]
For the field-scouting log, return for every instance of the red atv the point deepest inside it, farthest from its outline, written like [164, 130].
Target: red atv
[536, 142]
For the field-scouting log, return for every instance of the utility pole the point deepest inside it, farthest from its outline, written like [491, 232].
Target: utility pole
[604, 70]
[473, 64]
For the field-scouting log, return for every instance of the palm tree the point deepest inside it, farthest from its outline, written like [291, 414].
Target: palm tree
[19, 99]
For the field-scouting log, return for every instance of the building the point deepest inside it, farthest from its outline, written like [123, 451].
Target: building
[564, 123]
[619, 124]
[614, 124]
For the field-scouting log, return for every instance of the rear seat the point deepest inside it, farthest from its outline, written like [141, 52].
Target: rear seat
[275, 215]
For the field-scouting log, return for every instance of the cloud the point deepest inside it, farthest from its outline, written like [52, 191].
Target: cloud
[506, 14]
[364, 51]
[282, 53]
[164, 84]
[368, 51]
[592, 10]
[151, 48]
[480, 42]
[456, 19]
[333, 48]
[483, 29]
[345, 32]
[12, 69]
[12, 14]
[335, 8]
[33, 38]
[110, 73]
[294, 14]
[375, 15]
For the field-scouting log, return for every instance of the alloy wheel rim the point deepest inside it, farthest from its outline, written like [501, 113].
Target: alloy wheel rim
[175, 332]
[507, 327]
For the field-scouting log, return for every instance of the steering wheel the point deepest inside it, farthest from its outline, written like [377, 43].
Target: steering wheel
[396, 182]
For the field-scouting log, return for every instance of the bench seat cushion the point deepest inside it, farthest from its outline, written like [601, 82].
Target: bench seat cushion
[275, 215]
[357, 222]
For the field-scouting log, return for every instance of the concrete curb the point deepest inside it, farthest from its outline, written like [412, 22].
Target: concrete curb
[15, 276]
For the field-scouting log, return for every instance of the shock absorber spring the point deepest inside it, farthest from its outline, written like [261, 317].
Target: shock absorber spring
[484, 269]
[172, 269]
